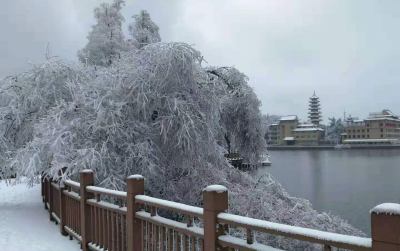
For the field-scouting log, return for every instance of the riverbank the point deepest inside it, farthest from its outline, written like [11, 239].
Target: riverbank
[333, 147]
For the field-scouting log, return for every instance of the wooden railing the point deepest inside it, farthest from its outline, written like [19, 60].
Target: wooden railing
[103, 219]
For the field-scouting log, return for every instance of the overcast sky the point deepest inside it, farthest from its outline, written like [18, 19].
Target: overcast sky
[347, 51]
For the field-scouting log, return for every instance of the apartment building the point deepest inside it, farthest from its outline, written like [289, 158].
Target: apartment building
[379, 128]
[308, 134]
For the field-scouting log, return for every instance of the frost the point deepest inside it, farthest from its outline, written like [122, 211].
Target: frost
[136, 177]
[387, 208]
[215, 188]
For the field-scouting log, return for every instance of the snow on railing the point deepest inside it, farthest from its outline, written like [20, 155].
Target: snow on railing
[169, 205]
[304, 234]
[72, 184]
[188, 235]
[108, 192]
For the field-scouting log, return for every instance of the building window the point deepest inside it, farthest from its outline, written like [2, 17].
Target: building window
[345, 136]
[363, 136]
[354, 131]
[303, 136]
[368, 136]
[367, 130]
[381, 124]
[381, 135]
[358, 136]
[367, 125]
[363, 130]
[381, 130]
[358, 130]
[314, 136]
[297, 137]
[349, 131]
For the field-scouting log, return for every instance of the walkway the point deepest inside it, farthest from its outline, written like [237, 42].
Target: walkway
[25, 224]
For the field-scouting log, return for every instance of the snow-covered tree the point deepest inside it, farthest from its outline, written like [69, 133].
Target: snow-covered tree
[333, 130]
[240, 116]
[106, 39]
[158, 113]
[143, 30]
[26, 98]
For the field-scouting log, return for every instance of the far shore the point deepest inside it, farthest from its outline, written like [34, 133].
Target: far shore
[324, 147]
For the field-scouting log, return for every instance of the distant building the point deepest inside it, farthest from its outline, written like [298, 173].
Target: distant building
[379, 128]
[289, 131]
[308, 134]
[315, 110]
[282, 131]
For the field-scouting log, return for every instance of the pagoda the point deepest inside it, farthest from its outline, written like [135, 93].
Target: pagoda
[315, 110]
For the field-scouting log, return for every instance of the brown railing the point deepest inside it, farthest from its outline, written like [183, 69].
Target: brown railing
[103, 219]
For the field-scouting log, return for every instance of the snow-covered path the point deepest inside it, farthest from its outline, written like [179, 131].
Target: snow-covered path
[25, 224]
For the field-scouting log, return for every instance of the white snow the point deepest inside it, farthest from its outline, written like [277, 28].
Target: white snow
[25, 224]
[87, 171]
[74, 234]
[55, 217]
[95, 247]
[288, 138]
[136, 177]
[243, 243]
[307, 129]
[170, 204]
[106, 204]
[94, 189]
[306, 125]
[290, 117]
[72, 183]
[386, 208]
[319, 235]
[215, 188]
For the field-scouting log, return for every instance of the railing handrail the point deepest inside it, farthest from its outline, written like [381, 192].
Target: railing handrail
[170, 205]
[299, 233]
[72, 183]
[175, 225]
[90, 218]
[108, 192]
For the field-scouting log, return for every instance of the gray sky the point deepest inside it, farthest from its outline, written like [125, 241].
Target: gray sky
[347, 51]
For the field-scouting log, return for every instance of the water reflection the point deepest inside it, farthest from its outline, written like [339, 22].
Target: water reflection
[347, 183]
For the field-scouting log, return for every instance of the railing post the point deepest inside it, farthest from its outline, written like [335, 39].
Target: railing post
[45, 199]
[385, 227]
[63, 208]
[215, 201]
[134, 186]
[86, 178]
[51, 207]
[42, 186]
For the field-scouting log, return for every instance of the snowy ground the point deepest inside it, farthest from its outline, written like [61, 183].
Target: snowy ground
[25, 224]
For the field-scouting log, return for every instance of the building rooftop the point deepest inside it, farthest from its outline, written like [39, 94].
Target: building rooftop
[306, 125]
[289, 117]
[308, 129]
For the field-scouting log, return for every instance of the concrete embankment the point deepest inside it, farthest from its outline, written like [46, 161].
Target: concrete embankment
[332, 147]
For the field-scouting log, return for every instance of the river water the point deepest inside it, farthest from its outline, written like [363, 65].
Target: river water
[347, 183]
